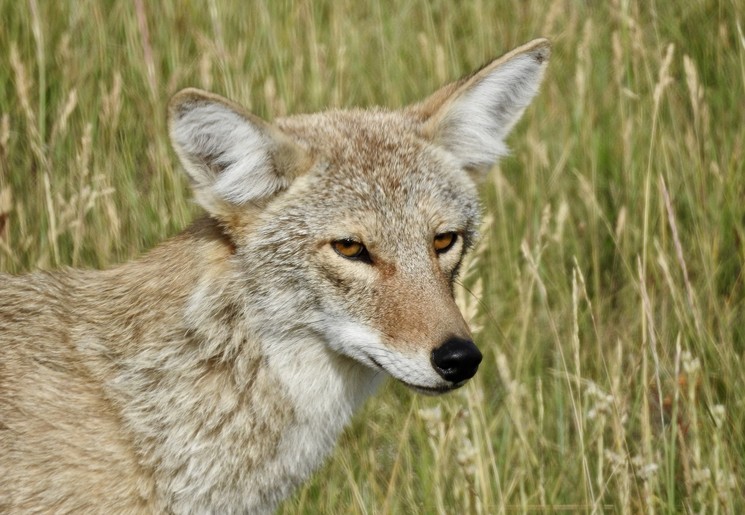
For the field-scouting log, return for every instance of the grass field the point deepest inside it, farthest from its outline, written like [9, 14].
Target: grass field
[607, 292]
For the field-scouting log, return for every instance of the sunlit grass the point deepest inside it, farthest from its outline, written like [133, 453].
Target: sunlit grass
[609, 295]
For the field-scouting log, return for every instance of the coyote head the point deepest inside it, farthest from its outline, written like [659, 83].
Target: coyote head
[352, 225]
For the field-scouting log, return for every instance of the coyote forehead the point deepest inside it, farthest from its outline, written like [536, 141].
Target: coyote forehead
[376, 171]
[214, 374]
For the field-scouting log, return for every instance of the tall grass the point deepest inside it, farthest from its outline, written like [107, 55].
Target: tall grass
[607, 291]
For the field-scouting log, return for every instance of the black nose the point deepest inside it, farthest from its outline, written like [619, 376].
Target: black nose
[456, 360]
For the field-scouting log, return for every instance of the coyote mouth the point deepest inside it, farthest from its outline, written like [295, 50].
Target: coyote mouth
[425, 390]
[429, 390]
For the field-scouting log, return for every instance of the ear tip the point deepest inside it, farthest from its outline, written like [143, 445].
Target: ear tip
[540, 49]
[177, 106]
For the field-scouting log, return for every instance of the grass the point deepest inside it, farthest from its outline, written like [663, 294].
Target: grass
[608, 288]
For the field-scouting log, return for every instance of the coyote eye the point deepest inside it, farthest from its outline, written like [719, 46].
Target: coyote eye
[351, 249]
[444, 242]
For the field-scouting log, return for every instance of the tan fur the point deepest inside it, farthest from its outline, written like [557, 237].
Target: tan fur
[214, 374]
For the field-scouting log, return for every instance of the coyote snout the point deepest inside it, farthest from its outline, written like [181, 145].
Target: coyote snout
[214, 374]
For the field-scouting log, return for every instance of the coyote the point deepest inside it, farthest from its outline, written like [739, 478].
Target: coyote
[215, 373]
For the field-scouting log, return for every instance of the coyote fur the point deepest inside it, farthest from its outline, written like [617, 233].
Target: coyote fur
[215, 373]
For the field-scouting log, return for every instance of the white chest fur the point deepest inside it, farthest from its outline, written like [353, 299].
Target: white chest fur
[325, 390]
[314, 391]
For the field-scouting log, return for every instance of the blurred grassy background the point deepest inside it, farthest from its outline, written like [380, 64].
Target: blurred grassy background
[609, 297]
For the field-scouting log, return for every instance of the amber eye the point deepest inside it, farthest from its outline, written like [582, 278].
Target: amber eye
[350, 249]
[444, 242]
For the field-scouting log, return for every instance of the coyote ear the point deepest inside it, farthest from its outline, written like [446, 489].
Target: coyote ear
[471, 117]
[232, 157]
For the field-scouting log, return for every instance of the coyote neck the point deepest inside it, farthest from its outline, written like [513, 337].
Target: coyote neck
[221, 411]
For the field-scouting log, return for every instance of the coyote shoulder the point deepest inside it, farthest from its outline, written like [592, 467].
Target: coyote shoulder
[215, 373]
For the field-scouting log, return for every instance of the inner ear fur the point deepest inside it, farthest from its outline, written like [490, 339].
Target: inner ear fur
[232, 157]
[472, 116]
